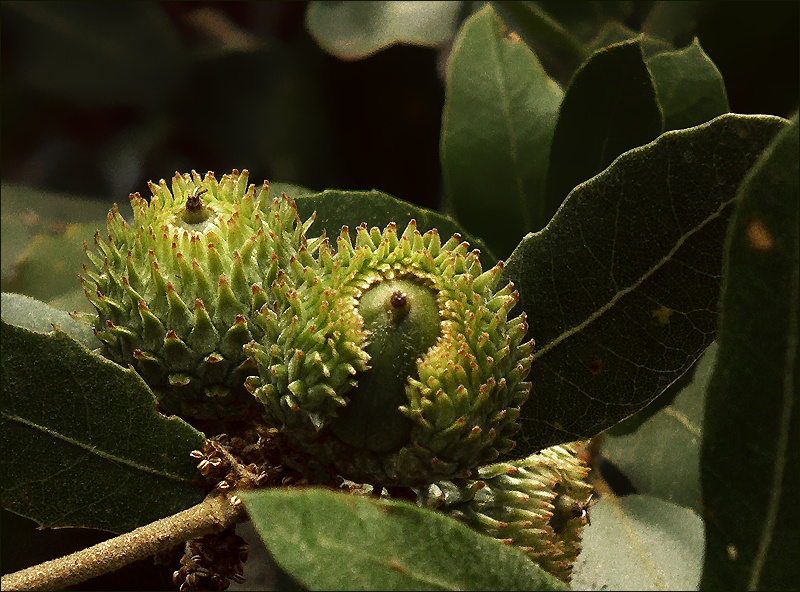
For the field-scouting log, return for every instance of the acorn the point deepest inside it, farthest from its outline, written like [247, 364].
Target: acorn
[176, 291]
[391, 359]
[539, 503]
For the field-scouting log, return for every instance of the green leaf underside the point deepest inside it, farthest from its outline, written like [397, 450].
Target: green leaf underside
[610, 107]
[37, 316]
[621, 287]
[750, 460]
[82, 442]
[29, 214]
[332, 541]
[499, 114]
[662, 457]
[638, 542]
[689, 86]
[335, 208]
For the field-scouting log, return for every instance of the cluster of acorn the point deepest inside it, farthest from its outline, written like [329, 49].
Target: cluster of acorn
[385, 358]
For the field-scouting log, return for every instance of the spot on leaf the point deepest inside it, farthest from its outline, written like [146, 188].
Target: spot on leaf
[595, 366]
[759, 236]
[662, 314]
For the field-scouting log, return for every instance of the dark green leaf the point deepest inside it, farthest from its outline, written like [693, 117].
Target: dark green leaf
[609, 108]
[122, 53]
[355, 30]
[334, 541]
[750, 459]
[83, 444]
[662, 457]
[689, 87]
[554, 42]
[335, 209]
[32, 314]
[639, 542]
[499, 113]
[674, 22]
[621, 288]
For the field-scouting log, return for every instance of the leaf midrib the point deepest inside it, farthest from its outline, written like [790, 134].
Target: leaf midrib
[624, 292]
[93, 449]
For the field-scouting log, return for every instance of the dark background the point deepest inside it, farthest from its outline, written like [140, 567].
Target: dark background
[280, 106]
[242, 85]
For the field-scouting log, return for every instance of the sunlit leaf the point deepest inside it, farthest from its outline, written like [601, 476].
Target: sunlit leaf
[499, 114]
[334, 541]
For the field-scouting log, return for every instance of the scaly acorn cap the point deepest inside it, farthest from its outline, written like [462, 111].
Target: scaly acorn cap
[177, 290]
[536, 503]
[392, 359]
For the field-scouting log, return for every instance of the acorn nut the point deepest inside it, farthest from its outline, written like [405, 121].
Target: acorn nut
[177, 290]
[391, 358]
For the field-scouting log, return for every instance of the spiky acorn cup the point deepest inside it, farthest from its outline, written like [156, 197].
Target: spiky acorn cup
[392, 360]
[176, 291]
[536, 503]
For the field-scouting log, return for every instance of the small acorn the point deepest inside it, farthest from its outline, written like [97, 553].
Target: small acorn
[537, 503]
[177, 290]
[391, 359]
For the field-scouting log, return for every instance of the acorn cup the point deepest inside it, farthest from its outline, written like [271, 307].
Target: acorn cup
[391, 359]
[537, 503]
[177, 290]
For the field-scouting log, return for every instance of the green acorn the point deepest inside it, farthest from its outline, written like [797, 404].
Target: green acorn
[392, 360]
[538, 503]
[177, 290]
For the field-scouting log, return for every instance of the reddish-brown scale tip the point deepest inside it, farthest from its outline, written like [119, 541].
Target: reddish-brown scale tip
[170, 287]
[223, 281]
[171, 334]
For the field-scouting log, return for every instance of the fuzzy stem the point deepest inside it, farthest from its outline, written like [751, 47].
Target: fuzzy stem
[212, 515]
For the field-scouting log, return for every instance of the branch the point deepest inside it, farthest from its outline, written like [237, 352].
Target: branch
[214, 514]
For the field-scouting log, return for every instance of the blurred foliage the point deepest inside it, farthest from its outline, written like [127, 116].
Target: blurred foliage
[101, 98]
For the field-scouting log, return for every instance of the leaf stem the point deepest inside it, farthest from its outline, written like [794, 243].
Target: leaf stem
[212, 515]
